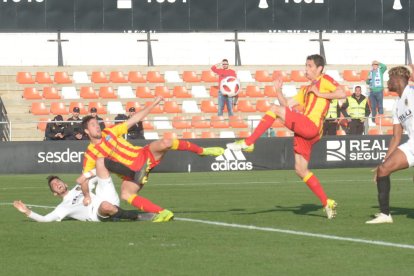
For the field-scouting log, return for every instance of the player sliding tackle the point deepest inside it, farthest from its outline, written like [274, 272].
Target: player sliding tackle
[109, 151]
[307, 126]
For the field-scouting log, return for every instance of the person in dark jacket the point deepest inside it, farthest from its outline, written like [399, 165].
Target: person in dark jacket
[55, 130]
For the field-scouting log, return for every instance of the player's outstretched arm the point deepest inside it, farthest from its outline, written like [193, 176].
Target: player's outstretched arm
[19, 205]
[139, 116]
[339, 93]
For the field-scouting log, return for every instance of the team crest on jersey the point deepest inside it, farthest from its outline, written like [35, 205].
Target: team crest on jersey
[107, 137]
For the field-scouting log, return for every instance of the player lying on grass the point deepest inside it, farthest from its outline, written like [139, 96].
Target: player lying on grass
[109, 151]
[72, 205]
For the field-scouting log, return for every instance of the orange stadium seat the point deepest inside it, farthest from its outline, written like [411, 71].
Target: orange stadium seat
[374, 131]
[62, 77]
[351, 75]
[270, 91]
[39, 108]
[283, 133]
[298, 76]
[208, 134]
[169, 135]
[99, 77]
[24, 78]
[254, 91]
[236, 121]
[117, 77]
[58, 108]
[199, 122]
[82, 108]
[107, 92]
[277, 123]
[389, 131]
[244, 134]
[148, 125]
[285, 75]
[108, 122]
[172, 107]
[87, 92]
[262, 76]
[245, 106]
[208, 106]
[51, 93]
[144, 92]
[209, 76]
[99, 107]
[154, 77]
[136, 77]
[162, 91]
[31, 93]
[263, 105]
[340, 132]
[384, 121]
[156, 110]
[133, 104]
[191, 76]
[214, 91]
[189, 135]
[363, 75]
[180, 122]
[181, 92]
[219, 122]
[41, 125]
[43, 78]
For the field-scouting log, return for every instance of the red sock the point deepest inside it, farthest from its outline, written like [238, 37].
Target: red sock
[185, 145]
[264, 124]
[144, 204]
[316, 187]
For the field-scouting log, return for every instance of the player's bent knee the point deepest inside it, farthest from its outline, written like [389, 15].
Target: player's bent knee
[107, 208]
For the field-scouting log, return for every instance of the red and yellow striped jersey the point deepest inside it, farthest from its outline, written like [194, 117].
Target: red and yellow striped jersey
[316, 108]
[113, 146]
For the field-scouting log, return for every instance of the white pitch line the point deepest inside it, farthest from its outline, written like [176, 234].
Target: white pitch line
[299, 233]
[28, 205]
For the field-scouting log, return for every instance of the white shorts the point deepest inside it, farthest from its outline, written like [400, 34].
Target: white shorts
[105, 190]
[94, 208]
[408, 149]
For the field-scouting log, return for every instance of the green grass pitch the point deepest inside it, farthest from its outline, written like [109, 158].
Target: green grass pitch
[269, 201]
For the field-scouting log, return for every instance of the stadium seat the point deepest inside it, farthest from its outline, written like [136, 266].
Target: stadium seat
[172, 107]
[81, 77]
[363, 75]
[285, 75]
[208, 106]
[172, 76]
[245, 76]
[43, 78]
[190, 106]
[191, 76]
[189, 135]
[283, 133]
[245, 106]
[58, 108]
[107, 92]
[155, 77]
[156, 110]
[334, 74]
[108, 122]
[262, 76]
[384, 121]
[31, 93]
[169, 135]
[147, 125]
[42, 123]
[99, 77]
[162, 123]
[87, 92]
[209, 76]
[117, 77]
[244, 134]
[180, 122]
[62, 77]
[115, 108]
[199, 91]
[136, 77]
[374, 131]
[254, 91]
[151, 136]
[340, 132]
[227, 134]
[69, 93]
[181, 92]
[214, 91]
[389, 131]
[24, 78]
[289, 90]
[208, 134]
[136, 105]
[298, 76]
[163, 91]
[351, 76]
[82, 108]
[144, 92]
[236, 121]
[199, 122]
[51, 93]
[39, 108]
[270, 91]
[100, 109]
[263, 105]
[219, 122]
[253, 120]
[277, 123]
[125, 92]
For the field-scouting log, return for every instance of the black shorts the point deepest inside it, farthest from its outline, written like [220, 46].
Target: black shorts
[139, 177]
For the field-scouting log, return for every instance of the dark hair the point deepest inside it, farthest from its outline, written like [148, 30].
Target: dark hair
[318, 60]
[225, 60]
[50, 178]
[358, 86]
[85, 121]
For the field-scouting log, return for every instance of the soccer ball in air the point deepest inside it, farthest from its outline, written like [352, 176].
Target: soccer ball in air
[230, 86]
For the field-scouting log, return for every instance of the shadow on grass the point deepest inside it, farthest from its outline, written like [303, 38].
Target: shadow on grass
[399, 211]
[304, 209]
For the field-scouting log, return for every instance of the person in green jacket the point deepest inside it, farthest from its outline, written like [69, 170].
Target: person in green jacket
[375, 81]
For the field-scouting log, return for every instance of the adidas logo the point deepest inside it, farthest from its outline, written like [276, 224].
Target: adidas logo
[232, 161]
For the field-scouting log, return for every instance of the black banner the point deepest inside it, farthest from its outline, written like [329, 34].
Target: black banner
[204, 15]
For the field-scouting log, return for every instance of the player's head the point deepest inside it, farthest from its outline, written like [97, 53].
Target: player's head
[314, 66]
[91, 126]
[56, 185]
[225, 63]
[399, 77]
[357, 90]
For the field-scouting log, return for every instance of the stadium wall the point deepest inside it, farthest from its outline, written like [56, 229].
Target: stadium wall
[269, 154]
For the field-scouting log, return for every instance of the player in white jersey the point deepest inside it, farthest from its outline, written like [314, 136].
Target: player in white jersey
[398, 156]
[102, 204]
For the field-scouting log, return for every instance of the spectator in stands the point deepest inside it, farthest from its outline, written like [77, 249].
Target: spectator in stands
[74, 129]
[356, 109]
[137, 130]
[55, 130]
[330, 126]
[222, 69]
[94, 114]
[375, 81]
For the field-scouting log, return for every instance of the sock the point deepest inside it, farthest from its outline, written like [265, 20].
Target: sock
[144, 204]
[125, 214]
[185, 145]
[313, 183]
[384, 187]
[264, 124]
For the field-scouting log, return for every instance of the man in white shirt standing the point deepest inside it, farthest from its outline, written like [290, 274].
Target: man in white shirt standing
[398, 156]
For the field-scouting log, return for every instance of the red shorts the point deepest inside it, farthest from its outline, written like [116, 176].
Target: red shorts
[306, 132]
[145, 156]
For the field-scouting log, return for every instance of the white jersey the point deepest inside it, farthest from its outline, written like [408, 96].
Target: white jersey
[403, 111]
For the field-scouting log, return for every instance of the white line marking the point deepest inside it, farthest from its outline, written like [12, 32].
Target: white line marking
[299, 233]
[28, 205]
